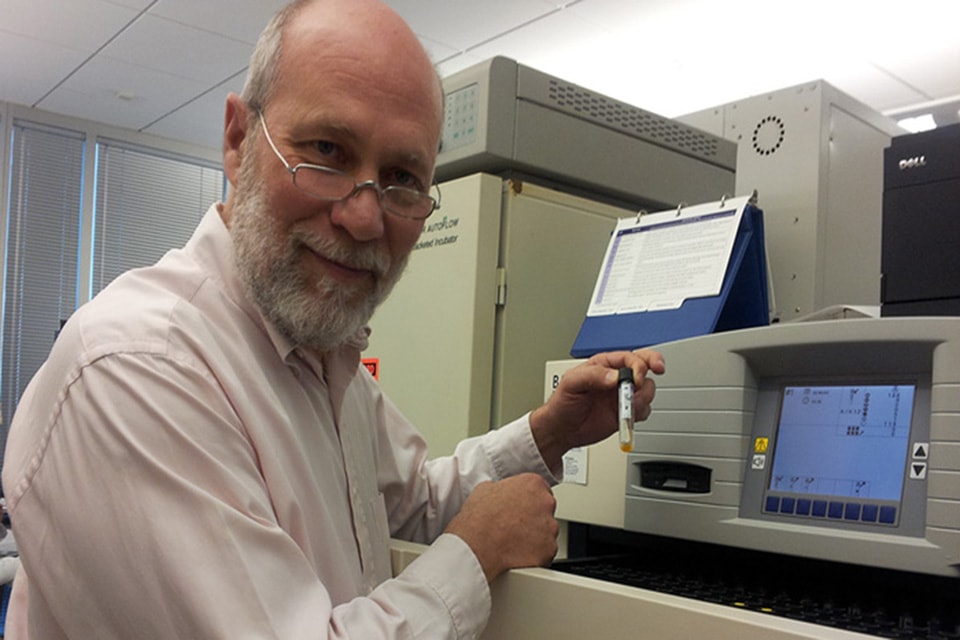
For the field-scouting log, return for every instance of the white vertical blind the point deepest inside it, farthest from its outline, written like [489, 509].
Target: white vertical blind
[147, 203]
[41, 252]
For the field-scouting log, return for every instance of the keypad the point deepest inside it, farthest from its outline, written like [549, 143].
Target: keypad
[847, 511]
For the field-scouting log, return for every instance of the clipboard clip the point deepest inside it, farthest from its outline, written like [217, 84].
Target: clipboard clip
[640, 214]
[754, 198]
[680, 208]
[723, 200]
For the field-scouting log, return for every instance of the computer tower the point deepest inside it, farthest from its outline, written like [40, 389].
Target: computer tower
[920, 257]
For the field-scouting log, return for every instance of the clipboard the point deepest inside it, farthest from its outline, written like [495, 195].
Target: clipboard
[740, 301]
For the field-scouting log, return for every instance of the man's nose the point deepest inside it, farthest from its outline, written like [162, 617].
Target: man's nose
[361, 213]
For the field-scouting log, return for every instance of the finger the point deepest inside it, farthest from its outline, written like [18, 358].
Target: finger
[640, 360]
[646, 360]
[643, 399]
[590, 376]
[646, 391]
[643, 412]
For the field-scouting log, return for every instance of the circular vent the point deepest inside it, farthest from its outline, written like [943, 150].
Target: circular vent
[768, 135]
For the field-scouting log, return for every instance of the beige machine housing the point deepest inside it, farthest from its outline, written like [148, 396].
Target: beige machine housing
[512, 120]
[543, 604]
[815, 156]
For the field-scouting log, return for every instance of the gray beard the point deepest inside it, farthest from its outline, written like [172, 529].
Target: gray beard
[322, 314]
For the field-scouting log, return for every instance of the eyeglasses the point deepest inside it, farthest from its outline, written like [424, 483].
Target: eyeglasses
[332, 185]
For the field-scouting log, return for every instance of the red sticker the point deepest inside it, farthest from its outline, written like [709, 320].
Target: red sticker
[373, 366]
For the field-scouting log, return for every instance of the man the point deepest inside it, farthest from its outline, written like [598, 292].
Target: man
[202, 455]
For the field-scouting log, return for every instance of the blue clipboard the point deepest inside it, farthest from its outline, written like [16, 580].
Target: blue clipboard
[741, 303]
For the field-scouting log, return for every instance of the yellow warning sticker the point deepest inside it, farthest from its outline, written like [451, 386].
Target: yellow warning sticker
[760, 445]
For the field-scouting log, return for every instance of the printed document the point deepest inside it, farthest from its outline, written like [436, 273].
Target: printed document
[656, 261]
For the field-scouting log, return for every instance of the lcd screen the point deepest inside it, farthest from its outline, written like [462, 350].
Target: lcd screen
[843, 440]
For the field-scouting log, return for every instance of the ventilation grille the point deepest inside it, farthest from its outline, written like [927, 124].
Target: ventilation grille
[640, 123]
[768, 135]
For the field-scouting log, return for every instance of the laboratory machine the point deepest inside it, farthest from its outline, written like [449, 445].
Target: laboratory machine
[810, 474]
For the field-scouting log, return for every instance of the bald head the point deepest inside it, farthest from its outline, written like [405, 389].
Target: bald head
[349, 28]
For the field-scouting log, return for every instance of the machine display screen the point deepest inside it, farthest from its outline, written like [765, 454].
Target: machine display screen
[845, 441]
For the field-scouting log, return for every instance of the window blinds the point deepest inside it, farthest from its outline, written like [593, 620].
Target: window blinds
[41, 254]
[147, 203]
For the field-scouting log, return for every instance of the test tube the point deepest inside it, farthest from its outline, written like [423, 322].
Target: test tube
[625, 409]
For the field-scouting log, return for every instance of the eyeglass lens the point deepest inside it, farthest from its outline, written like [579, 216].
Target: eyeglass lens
[330, 184]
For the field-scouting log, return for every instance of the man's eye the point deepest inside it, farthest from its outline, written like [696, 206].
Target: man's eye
[326, 149]
[401, 178]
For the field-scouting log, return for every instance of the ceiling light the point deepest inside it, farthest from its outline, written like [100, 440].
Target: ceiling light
[917, 124]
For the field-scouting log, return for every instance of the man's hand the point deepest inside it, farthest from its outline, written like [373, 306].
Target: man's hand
[583, 407]
[509, 524]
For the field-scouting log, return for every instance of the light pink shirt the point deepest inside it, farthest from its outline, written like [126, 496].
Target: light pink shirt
[177, 469]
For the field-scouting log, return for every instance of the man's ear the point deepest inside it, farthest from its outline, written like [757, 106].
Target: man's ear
[234, 133]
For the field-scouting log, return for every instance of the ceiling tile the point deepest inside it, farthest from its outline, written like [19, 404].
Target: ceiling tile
[436, 50]
[179, 50]
[48, 64]
[933, 70]
[134, 4]
[460, 24]
[121, 94]
[873, 86]
[565, 30]
[245, 21]
[84, 25]
[643, 20]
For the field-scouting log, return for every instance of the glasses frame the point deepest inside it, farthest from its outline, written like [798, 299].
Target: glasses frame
[357, 186]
